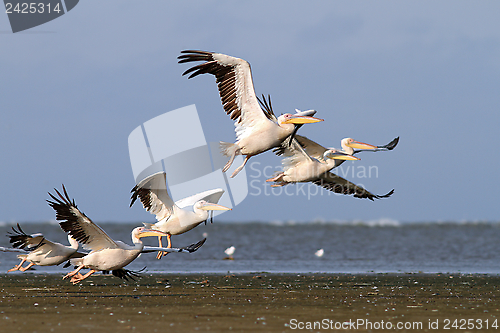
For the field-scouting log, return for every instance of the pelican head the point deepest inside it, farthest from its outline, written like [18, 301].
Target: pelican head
[351, 143]
[205, 205]
[335, 154]
[140, 232]
[299, 118]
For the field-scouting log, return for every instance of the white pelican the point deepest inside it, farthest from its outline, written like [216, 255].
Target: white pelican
[106, 254]
[174, 218]
[256, 130]
[308, 161]
[41, 251]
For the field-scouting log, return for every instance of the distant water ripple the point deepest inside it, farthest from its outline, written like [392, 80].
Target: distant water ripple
[349, 247]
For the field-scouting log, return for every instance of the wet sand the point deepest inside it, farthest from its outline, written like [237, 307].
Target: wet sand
[264, 302]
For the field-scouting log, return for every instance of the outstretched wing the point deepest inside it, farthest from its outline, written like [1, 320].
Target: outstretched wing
[337, 184]
[78, 225]
[300, 149]
[9, 249]
[211, 196]
[152, 191]
[390, 146]
[187, 249]
[312, 148]
[234, 80]
[20, 240]
[126, 274]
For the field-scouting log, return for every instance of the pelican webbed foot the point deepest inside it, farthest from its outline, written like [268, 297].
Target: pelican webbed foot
[22, 269]
[78, 278]
[17, 267]
[73, 273]
[276, 178]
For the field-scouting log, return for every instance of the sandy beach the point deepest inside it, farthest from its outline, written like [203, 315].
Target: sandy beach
[250, 302]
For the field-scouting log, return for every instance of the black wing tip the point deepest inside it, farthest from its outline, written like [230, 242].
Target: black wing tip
[19, 239]
[17, 232]
[127, 274]
[374, 196]
[135, 195]
[267, 106]
[391, 145]
[195, 246]
[391, 192]
[195, 52]
[194, 55]
[61, 199]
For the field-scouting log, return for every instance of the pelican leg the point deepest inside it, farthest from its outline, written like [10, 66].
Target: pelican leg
[241, 166]
[233, 155]
[27, 267]
[73, 273]
[79, 278]
[159, 255]
[17, 267]
[169, 245]
[276, 178]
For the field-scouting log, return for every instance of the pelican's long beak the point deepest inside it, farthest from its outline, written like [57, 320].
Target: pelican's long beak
[361, 145]
[341, 156]
[294, 119]
[212, 206]
[151, 232]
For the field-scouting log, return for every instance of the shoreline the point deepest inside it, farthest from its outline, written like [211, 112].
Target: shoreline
[245, 302]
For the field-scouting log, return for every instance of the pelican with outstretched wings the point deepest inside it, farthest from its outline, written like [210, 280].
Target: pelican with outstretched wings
[174, 218]
[106, 254]
[37, 250]
[308, 161]
[256, 130]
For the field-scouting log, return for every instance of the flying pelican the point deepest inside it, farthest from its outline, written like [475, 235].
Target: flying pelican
[106, 254]
[174, 218]
[256, 130]
[39, 250]
[308, 161]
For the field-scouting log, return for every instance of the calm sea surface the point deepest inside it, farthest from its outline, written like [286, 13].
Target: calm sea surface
[384, 246]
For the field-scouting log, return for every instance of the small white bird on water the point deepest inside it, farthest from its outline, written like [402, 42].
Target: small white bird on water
[319, 253]
[229, 252]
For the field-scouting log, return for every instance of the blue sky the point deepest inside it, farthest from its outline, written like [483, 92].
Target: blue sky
[73, 89]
